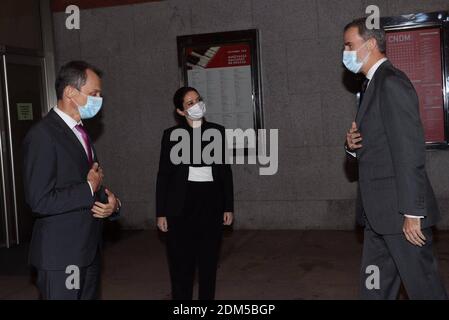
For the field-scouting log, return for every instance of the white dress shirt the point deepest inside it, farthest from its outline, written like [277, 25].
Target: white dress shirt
[71, 123]
[373, 70]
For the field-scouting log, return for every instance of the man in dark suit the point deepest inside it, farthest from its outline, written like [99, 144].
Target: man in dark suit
[396, 202]
[63, 187]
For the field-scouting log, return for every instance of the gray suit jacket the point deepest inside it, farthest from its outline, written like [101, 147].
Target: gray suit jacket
[392, 174]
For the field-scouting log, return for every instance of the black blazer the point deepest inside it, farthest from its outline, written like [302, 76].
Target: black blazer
[55, 169]
[392, 173]
[172, 179]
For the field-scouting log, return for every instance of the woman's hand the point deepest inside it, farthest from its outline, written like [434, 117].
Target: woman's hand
[162, 224]
[228, 217]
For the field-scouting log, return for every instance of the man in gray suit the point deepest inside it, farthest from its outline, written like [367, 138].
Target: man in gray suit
[395, 202]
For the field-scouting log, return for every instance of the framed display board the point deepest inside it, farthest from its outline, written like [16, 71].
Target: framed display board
[418, 44]
[224, 68]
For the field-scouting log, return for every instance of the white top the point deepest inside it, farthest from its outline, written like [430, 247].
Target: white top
[200, 174]
[71, 123]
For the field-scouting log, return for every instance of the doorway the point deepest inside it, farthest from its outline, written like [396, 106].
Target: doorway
[23, 102]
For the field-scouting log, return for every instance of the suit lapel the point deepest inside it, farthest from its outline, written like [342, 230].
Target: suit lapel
[365, 103]
[369, 94]
[69, 135]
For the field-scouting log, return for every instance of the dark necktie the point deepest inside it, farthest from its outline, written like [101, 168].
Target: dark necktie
[362, 92]
[86, 140]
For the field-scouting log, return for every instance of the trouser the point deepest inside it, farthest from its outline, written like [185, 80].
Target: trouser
[59, 285]
[193, 241]
[389, 259]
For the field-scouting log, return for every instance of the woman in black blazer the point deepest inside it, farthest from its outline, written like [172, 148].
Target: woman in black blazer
[193, 202]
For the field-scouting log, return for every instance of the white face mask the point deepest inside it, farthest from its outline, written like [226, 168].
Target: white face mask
[91, 108]
[351, 62]
[197, 111]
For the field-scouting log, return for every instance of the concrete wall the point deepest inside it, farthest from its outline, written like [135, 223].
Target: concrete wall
[304, 96]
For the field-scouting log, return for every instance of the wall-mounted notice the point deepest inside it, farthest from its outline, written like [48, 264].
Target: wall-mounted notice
[223, 77]
[24, 111]
[418, 53]
[224, 68]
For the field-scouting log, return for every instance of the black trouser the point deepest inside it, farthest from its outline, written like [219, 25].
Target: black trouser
[400, 261]
[52, 283]
[193, 240]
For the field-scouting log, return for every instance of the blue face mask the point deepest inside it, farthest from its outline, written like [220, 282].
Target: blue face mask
[91, 108]
[351, 62]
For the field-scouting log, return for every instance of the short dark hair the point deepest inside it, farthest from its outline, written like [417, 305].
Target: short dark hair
[366, 34]
[73, 73]
[178, 98]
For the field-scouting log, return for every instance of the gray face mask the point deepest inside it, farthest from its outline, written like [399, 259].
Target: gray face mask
[197, 111]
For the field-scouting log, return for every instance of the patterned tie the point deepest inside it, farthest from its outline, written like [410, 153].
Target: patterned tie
[86, 140]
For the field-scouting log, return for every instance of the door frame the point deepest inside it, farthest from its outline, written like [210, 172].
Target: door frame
[8, 180]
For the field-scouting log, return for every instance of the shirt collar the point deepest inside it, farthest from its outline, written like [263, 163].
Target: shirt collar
[374, 68]
[67, 119]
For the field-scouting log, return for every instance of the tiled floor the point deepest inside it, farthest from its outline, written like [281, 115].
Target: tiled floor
[254, 265]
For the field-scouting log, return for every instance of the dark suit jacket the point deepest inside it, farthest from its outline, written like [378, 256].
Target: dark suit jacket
[172, 179]
[392, 174]
[55, 169]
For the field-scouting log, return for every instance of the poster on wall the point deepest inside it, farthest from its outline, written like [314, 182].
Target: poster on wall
[417, 44]
[223, 67]
[418, 54]
[223, 76]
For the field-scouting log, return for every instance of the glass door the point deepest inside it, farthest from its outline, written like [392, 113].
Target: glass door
[23, 102]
